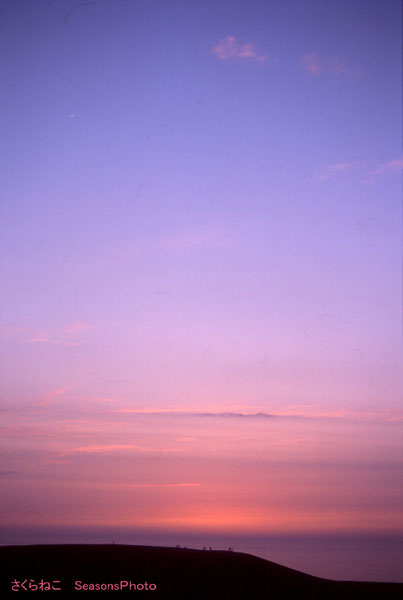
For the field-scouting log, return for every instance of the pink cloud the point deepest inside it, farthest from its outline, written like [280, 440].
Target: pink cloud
[76, 328]
[41, 339]
[194, 240]
[310, 62]
[339, 167]
[12, 330]
[45, 339]
[392, 166]
[68, 336]
[106, 448]
[229, 48]
[157, 485]
[384, 168]
[112, 448]
[388, 167]
[101, 400]
[315, 65]
[48, 398]
[333, 169]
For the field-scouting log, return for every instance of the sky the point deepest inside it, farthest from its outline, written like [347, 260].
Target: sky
[201, 265]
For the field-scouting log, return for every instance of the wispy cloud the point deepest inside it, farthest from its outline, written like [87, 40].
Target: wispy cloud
[384, 168]
[40, 339]
[158, 485]
[70, 335]
[291, 413]
[185, 413]
[105, 448]
[370, 174]
[54, 394]
[43, 339]
[193, 240]
[229, 48]
[310, 63]
[101, 400]
[12, 331]
[76, 328]
[315, 65]
[332, 170]
[112, 448]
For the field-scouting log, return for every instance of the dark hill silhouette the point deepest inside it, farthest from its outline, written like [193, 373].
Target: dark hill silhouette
[178, 573]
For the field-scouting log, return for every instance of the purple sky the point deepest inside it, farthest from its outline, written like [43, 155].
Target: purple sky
[201, 212]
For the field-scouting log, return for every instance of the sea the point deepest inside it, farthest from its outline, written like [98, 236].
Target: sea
[362, 557]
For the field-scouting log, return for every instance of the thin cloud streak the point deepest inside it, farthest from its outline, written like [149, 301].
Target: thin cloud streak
[184, 413]
[333, 170]
[391, 166]
[71, 335]
[339, 415]
[43, 339]
[112, 448]
[105, 448]
[384, 168]
[155, 485]
[12, 331]
[194, 240]
[48, 398]
[76, 328]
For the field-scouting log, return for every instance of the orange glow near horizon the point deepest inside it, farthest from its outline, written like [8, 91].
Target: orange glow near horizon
[207, 473]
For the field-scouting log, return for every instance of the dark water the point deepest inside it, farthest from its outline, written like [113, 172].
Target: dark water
[370, 559]
[342, 557]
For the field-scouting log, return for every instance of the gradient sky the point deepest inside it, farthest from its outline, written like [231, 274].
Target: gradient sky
[201, 230]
